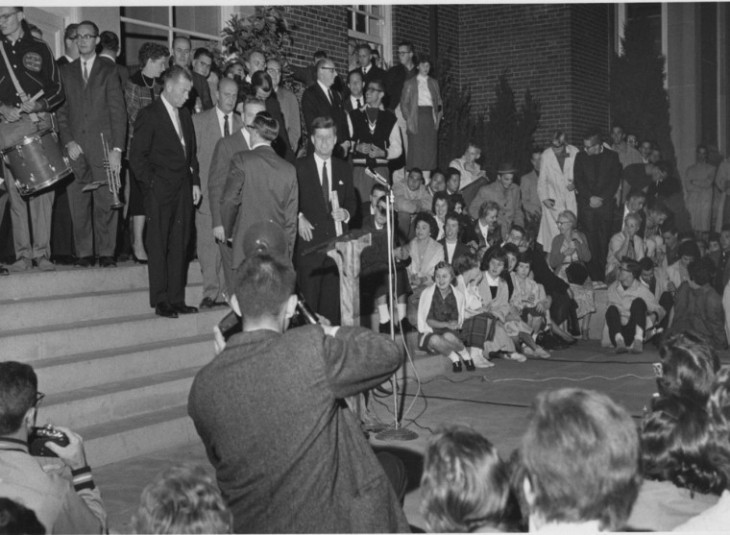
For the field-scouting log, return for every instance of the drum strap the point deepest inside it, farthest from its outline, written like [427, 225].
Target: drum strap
[23, 95]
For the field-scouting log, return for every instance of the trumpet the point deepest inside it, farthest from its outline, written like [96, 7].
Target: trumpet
[112, 177]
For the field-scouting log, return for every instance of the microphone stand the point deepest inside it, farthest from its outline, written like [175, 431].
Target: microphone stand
[396, 432]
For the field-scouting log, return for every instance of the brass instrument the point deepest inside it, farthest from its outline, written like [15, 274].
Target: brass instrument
[112, 177]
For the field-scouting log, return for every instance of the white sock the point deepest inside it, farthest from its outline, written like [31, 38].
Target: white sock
[639, 336]
[402, 310]
[384, 315]
[453, 356]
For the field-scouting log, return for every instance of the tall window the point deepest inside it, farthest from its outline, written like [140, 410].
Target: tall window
[371, 25]
[161, 23]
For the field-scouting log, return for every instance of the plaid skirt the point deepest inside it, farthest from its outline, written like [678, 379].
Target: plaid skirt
[478, 329]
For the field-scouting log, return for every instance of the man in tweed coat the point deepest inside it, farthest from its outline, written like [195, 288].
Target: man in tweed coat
[289, 457]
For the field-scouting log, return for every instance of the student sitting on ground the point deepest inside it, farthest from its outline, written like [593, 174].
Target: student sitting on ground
[465, 484]
[624, 244]
[495, 298]
[440, 316]
[698, 308]
[529, 299]
[631, 309]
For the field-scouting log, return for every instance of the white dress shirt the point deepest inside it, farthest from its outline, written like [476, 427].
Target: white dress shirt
[174, 114]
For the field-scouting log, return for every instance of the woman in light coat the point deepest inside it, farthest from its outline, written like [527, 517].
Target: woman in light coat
[555, 187]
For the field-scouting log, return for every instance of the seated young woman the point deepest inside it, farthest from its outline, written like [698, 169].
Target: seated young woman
[440, 317]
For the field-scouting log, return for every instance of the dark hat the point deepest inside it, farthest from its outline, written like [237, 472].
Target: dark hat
[506, 168]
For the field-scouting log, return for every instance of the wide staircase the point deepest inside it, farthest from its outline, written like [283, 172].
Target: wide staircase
[110, 368]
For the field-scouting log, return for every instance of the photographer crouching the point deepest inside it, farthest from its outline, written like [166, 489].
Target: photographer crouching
[62, 506]
[289, 456]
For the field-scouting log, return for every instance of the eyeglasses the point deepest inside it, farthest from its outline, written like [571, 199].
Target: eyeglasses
[6, 17]
[85, 37]
[38, 398]
[329, 69]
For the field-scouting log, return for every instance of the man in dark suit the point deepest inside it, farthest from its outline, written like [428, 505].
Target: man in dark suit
[365, 65]
[211, 126]
[223, 154]
[321, 178]
[109, 43]
[202, 61]
[94, 105]
[597, 172]
[260, 186]
[163, 158]
[71, 50]
[321, 100]
[355, 97]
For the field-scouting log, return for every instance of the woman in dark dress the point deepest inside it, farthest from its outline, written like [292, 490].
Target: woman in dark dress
[142, 88]
[262, 88]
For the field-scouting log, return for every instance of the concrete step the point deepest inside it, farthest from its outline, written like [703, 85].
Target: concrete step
[62, 309]
[29, 345]
[123, 439]
[98, 404]
[69, 280]
[72, 372]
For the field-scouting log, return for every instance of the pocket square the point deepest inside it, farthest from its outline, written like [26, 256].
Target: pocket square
[340, 183]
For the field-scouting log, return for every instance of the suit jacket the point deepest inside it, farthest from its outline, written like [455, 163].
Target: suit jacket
[596, 176]
[122, 70]
[460, 250]
[91, 109]
[316, 104]
[157, 157]
[409, 102]
[260, 186]
[201, 89]
[375, 73]
[272, 421]
[311, 201]
[207, 134]
[223, 153]
[699, 311]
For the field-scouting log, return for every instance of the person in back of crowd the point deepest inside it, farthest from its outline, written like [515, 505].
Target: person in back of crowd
[71, 49]
[262, 88]
[632, 311]
[61, 505]
[465, 485]
[679, 478]
[698, 307]
[555, 187]
[634, 204]
[288, 103]
[506, 194]
[411, 197]
[580, 460]
[453, 181]
[421, 105]
[624, 244]
[654, 216]
[531, 205]
[470, 170]
[182, 499]
[717, 517]
[721, 258]
[437, 183]
[670, 237]
[698, 185]
[677, 272]
[486, 230]
[439, 209]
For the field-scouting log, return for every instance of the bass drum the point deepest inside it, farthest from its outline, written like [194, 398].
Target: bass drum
[37, 162]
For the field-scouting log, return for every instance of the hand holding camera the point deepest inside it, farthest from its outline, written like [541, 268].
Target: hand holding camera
[58, 442]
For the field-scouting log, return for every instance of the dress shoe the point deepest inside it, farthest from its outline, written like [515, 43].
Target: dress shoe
[182, 308]
[456, 367]
[469, 365]
[44, 264]
[384, 328]
[86, 261]
[4, 271]
[107, 261]
[138, 260]
[20, 265]
[405, 326]
[207, 302]
[165, 310]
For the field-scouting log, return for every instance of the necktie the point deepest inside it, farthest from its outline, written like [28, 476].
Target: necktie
[331, 97]
[325, 186]
[85, 73]
[226, 128]
[179, 128]
[359, 104]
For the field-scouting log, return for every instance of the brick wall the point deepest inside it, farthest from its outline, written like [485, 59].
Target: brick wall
[411, 23]
[589, 24]
[319, 28]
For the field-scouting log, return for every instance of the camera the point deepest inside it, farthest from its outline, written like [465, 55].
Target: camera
[38, 438]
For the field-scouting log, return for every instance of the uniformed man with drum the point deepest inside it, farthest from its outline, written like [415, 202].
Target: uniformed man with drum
[30, 88]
